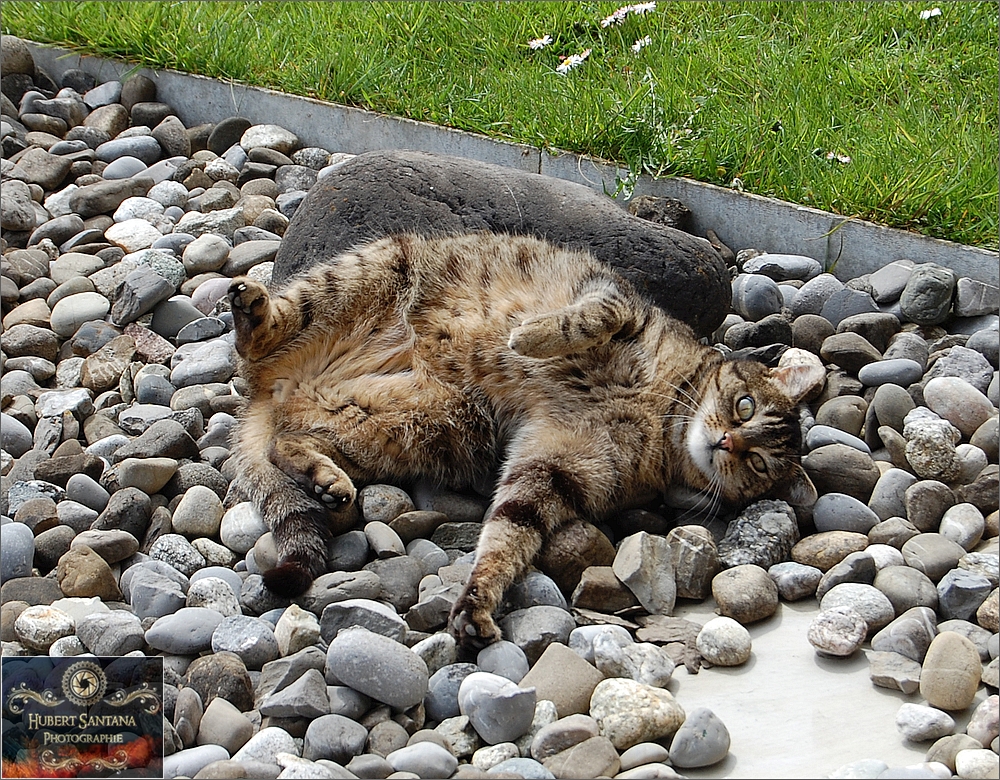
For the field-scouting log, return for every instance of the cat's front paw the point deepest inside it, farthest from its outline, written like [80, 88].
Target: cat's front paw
[248, 297]
[533, 338]
[472, 626]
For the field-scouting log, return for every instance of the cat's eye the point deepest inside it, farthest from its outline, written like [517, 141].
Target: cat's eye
[745, 408]
[757, 462]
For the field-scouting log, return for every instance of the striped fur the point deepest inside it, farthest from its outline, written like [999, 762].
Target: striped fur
[460, 357]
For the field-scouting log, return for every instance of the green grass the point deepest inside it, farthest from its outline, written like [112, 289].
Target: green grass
[749, 91]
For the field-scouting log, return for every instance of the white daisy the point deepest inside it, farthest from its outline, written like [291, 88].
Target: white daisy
[642, 42]
[616, 18]
[539, 43]
[642, 8]
[925, 15]
[572, 61]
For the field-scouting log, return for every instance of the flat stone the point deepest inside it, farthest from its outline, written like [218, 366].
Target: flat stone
[561, 676]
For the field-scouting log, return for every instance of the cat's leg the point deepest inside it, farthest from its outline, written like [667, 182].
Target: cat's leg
[262, 322]
[299, 523]
[602, 310]
[551, 477]
[306, 460]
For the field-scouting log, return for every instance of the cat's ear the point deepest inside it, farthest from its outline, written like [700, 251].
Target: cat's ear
[799, 490]
[799, 381]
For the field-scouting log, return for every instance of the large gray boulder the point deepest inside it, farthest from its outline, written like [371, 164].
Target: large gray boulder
[385, 192]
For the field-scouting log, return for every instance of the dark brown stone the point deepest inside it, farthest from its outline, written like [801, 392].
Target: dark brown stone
[570, 550]
[386, 192]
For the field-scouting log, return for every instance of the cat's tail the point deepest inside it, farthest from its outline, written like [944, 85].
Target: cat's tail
[299, 524]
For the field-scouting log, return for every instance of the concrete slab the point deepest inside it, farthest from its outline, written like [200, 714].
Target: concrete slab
[792, 713]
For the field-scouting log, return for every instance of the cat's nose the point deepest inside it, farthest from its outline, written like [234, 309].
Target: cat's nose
[726, 442]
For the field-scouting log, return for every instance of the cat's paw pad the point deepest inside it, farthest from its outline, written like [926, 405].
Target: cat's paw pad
[247, 296]
[472, 628]
[333, 488]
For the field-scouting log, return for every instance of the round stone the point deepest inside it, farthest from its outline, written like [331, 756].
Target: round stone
[898, 371]
[423, 759]
[906, 587]
[951, 672]
[837, 631]
[840, 512]
[17, 550]
[199, 512]
[241, 526]
[186, 632]
[724, 642]
[74, 310]
[866, 600]
[745, 593]
[39, 626]
[755, 296]
[702, 740]
[963, 524]
[921, 724]
[958, 402]
[629, 712]
[794, 580]
[932, 554]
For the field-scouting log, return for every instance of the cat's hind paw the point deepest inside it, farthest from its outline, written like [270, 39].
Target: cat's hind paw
[472, 628]
[333, 488]
[248, 297]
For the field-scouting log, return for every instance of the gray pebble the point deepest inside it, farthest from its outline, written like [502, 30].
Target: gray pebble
[373, 616]
[821, 435]
[960, 593]
[866, 600]
[423, 759]
[186, 632]
[926, 298]
[378, 667]
[840, 512]
[497, 708]
[441, 701]
[897, 371]
[505, 659]
[17, 551]
[702, 740]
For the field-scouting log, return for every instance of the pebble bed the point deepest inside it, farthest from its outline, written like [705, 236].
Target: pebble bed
[121, 231]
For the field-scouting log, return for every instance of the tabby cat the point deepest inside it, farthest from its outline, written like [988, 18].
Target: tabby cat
[459, 357]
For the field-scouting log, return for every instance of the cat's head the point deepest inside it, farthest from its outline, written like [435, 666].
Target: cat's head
[746, 438]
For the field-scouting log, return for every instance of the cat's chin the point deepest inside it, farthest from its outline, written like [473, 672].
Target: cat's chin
[699, 442]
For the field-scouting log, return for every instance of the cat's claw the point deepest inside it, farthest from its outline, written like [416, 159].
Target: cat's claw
[247, 296]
